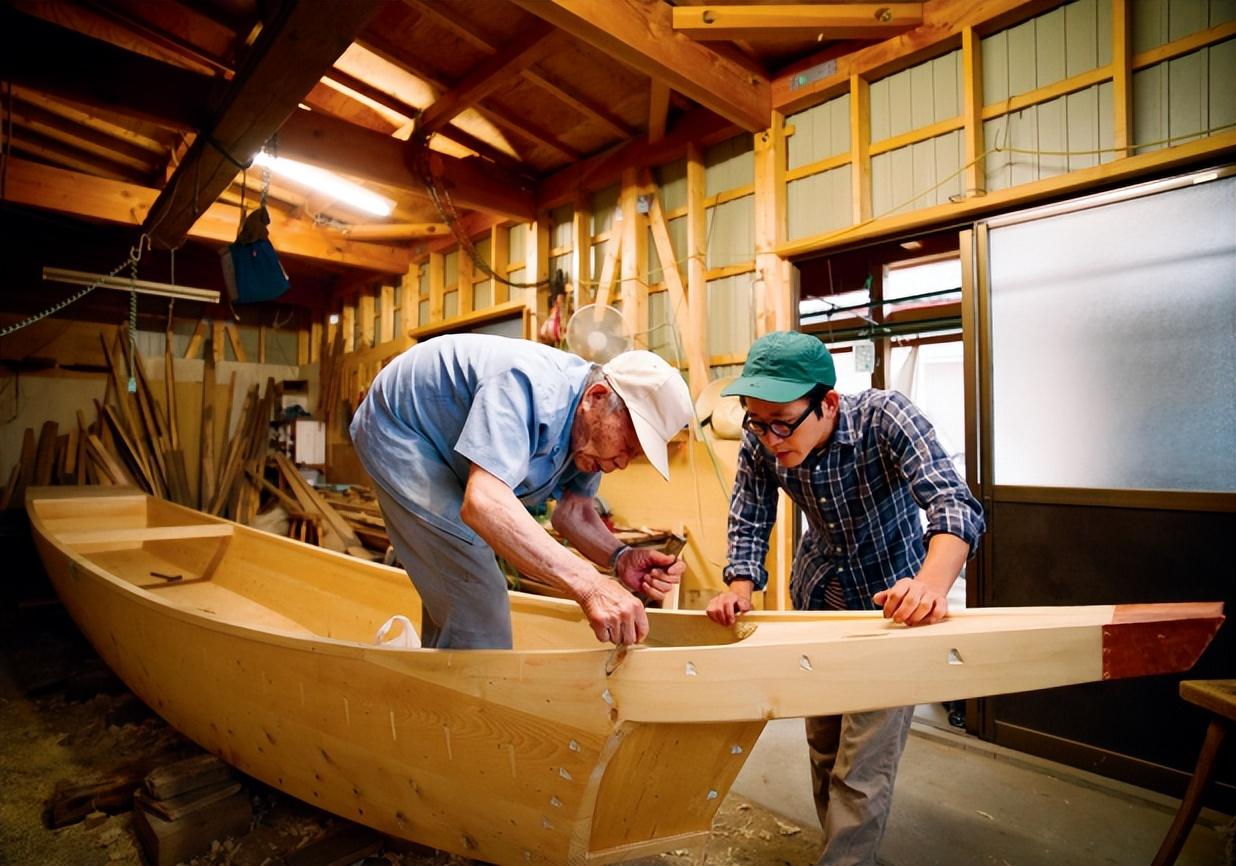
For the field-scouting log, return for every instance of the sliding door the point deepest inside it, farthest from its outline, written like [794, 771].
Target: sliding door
[1106, 392]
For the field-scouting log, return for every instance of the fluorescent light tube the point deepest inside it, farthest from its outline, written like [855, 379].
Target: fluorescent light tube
[327, 182]
[123, 284]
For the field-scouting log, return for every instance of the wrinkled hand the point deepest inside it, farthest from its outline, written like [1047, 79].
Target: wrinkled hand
[727, 607]
[642, 569]
[911, 602]
[615, 615]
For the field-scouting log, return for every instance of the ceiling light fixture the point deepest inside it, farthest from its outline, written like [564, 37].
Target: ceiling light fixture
[327, 182]
[124, 284]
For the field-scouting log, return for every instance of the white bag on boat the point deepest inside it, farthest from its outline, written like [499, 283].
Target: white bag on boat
[406, 638]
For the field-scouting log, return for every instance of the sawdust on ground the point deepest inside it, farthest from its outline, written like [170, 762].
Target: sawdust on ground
[51, 732]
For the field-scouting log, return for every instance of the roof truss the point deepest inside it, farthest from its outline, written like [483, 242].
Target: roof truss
[641, 35]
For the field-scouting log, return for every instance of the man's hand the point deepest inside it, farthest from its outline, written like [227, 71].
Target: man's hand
[726, 607]
[615, 615]
[642, 569]
[912, 602]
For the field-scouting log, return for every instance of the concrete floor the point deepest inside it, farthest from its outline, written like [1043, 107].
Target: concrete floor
[962, 802]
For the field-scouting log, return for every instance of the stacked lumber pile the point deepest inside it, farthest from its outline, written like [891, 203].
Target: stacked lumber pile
[183, 807]
[359, 507]
[134, 440]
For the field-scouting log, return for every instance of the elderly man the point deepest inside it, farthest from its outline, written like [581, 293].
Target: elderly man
[460, 433]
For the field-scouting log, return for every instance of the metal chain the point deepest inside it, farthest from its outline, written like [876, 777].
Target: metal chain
[132, 323]
[135, 254]
[441, 199]
[271, 148]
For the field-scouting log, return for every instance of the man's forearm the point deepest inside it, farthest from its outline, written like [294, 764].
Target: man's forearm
[946, 554]
[493, 511]
[576, 518]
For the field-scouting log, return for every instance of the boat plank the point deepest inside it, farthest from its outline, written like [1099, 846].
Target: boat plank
[141, 534]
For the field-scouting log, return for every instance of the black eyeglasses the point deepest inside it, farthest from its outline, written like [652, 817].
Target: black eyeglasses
[780, 429]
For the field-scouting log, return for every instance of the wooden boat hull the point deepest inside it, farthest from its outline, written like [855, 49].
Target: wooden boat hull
[558, 751]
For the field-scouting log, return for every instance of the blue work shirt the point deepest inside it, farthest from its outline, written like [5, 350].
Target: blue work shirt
[862, 494]
[506, 405]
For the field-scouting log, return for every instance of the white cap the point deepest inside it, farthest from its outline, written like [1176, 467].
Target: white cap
[657, 398]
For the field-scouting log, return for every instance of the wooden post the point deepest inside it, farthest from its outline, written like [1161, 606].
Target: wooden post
[466, 286]
[975, 176]
[386, 325]
[536, 268]
[775, 299]
[860, 148]
[302, 346]
[1122, 78]
[698, 370]
[216, 341]
[437, 287]
[365, 312]
[347, 321]
[634, 291]
[581, 251]
[499, 259]
[410, 307]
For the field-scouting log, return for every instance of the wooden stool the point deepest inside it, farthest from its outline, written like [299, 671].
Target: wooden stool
[1219, 698]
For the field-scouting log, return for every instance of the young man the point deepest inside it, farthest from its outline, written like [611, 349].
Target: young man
[460, 433]
[860, 467]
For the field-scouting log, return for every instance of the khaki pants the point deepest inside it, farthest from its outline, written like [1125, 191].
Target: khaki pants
[853, 766]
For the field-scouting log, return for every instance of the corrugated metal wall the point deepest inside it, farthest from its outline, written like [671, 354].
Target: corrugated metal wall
[1042, 51]
[927, 172]
[1173, 100]
[1177, 99]
[819, 202]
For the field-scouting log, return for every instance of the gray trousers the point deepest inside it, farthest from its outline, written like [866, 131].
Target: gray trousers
[463, 593]
[853, 766]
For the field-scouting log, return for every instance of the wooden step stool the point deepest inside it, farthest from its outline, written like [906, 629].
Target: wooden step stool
[1218, 697]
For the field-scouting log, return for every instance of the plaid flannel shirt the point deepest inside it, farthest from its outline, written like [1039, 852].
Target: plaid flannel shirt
[861, 494]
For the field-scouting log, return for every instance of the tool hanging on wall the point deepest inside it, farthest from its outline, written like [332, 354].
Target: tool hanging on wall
[251, 268]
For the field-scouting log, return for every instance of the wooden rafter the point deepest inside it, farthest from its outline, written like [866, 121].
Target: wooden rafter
[397, 105]
[33, 52]
[534, 134]
[597, 114]
[797, 20]
[700, 126]
[394, 231]
[162, 38]
[367, 155]
[38, 119]
[433, 11]
[290, 56]
[522, 51]
[68, 155]
[42, 186]
[589, 109]
[640, 34]
[392, 54]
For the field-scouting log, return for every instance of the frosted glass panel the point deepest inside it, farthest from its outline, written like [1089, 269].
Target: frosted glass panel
[1114, 345]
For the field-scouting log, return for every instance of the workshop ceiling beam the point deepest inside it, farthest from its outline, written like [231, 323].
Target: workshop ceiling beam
[41, 186]
[521, 52]
[700, 126]
[37, 54]
[290, 56]
[313, 137]
[823, 21]
[640, 34]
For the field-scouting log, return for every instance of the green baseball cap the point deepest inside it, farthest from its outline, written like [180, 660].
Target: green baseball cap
[783, 366]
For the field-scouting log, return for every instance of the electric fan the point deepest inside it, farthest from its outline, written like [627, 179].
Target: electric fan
[596, 333]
